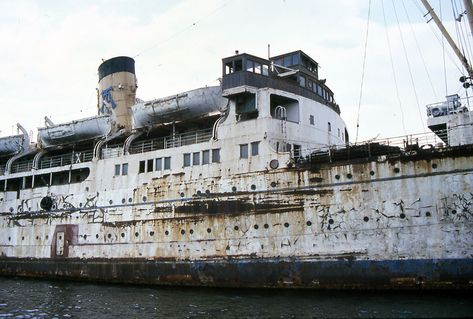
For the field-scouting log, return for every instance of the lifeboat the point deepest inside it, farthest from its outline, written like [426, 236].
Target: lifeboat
[189, 105]
[75, 131]
[11, 144]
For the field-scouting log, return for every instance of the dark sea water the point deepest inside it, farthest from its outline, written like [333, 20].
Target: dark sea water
[27, 298]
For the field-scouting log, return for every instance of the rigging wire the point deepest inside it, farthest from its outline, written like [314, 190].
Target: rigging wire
[464, 34]
[408, 65]
[458, 29]
[392, 68]
[363, 70]
[183, 30]
[443, 53]
[419, 50]
[440, 39]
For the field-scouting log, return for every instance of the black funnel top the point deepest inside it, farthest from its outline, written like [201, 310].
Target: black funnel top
[114, 65]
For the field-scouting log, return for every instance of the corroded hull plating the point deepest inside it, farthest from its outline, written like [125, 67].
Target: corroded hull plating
[397, 223]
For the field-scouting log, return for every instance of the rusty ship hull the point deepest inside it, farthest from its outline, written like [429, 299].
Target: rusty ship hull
[388, 222]
[253, 183]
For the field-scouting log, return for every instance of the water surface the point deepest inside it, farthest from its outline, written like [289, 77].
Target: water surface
[28, 298]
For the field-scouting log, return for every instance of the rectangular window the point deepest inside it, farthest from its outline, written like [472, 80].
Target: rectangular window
[216, 155]
[149, 167]
[295, 59]
[238, 65]
[159, 164]
[196, 158]
[310, 84]
[167, 163]
[117, 169]
[254, 148]
[301, 80]
[329, 127]
[338, 132]
[257, 68]
[249, 65]
[297, 151]
[265, 69]
[205, 157]
[287, 61]
[311, 120]
[142, 167]
[187, 159]
[125, 169]
[243, 150]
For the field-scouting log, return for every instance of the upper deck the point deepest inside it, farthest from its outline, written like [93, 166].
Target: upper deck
[293, 72]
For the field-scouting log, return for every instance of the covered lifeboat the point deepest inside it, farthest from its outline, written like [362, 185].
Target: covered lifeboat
[189, 105]
[11, 144]
[75, 131]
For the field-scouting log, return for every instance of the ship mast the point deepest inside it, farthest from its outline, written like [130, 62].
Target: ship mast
[447, 36]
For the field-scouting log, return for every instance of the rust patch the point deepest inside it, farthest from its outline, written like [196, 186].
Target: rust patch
[68, 235]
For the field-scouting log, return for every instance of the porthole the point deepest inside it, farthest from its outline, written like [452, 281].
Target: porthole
[191, 231]
[37, 237]
[23, 237]
[110, 202]
[266, 226]
[199, 193]
[97, 236]
[80, 204]
[123, 201]
[402, 215]
[434, 165]
[330, 221]
[137, 234]
[144, 198]
[286, 224]
[207, 192]
[274, 164]
[396, 170]
[236, 228]
[123, 235]
[183, 232]
[182, 194]
[309, 223]
[209, 230]
[130, 200]
[11, 209]
[9, 238]
[253, 186]
[349, 175]
[454, 211]
[166, 232]
[255, 226]
[273, 184]
[87, 189]
[151, 233]
[371, 173]
[109, 236]
[366, 219]
[47, 237]
[234, 189]
[427, 214]
[337, 176]
[85, 236]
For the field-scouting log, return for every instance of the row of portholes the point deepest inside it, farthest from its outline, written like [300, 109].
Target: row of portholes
[236, 228]
[234, 189]
[396, 170]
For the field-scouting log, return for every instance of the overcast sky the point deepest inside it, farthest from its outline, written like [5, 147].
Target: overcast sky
[50, 52]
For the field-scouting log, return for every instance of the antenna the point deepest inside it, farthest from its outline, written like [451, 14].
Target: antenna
[269, 51]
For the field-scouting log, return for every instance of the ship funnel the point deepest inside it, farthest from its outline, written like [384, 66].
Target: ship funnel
[117, 90]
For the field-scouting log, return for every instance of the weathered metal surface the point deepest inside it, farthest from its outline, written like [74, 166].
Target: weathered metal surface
[257, 272]
[189, 105]
[76, 131]
[11, 144]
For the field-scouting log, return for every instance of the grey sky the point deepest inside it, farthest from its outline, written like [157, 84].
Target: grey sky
[51, 51]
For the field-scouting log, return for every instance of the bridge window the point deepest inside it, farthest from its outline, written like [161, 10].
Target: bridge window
[311, 120]
[125, 169]
[149, 165]
[142, 167]
[301, 80]
[196, 158]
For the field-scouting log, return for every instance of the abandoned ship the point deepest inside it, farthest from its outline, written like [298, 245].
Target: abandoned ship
[252, 183]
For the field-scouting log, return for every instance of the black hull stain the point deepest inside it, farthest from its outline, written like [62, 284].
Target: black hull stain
[255, 273]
